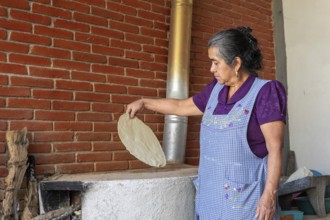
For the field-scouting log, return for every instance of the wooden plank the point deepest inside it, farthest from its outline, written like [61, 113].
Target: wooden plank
[287, 217]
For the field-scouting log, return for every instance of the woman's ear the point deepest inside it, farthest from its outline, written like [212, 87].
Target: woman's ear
[237, 63]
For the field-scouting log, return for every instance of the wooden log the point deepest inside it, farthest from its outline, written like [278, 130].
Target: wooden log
[31, 206]
[17, 144]
[58, 213]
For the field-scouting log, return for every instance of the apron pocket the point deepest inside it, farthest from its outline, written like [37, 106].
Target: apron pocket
[240, 200]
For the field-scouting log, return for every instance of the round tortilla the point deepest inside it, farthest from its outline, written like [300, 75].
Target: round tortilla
[140, 141]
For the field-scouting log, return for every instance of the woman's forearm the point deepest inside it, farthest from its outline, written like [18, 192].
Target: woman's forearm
[274, 171]
[164, 106]
[184, 107]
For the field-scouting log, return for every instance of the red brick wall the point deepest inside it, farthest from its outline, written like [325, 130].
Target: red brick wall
[67, 68]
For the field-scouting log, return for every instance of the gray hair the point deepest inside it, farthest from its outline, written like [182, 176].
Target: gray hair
[240, 43]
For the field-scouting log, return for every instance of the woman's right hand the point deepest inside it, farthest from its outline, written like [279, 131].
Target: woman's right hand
[134, 107]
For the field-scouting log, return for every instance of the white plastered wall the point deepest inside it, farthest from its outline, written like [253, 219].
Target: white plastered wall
[307, 39]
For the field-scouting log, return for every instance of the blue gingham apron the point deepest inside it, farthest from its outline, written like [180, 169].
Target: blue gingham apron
[231, 178]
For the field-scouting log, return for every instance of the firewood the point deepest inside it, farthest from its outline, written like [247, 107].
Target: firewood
[31, 198]
[17, 144]
[58, 213]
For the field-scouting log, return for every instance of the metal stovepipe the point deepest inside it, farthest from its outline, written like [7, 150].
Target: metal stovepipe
[175, 129]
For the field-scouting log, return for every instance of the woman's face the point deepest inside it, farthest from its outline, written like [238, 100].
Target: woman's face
[224, 73]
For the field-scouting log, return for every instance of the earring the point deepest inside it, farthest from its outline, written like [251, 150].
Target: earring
[236, 73]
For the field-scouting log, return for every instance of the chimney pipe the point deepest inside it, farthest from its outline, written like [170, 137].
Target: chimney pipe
[175, 128]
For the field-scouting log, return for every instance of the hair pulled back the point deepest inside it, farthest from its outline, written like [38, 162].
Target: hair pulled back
[238, 42]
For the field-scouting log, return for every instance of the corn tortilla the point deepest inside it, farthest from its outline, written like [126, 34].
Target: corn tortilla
[140, 141]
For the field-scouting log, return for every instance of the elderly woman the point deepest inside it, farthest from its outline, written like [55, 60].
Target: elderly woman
[241, 133]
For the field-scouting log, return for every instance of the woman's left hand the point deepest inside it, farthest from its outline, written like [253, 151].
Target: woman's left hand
[266, 207]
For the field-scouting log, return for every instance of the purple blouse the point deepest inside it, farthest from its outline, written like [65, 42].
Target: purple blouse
[270, 105]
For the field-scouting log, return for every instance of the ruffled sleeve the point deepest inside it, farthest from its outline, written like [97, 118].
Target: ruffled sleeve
[271, 103]
[201, 98]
